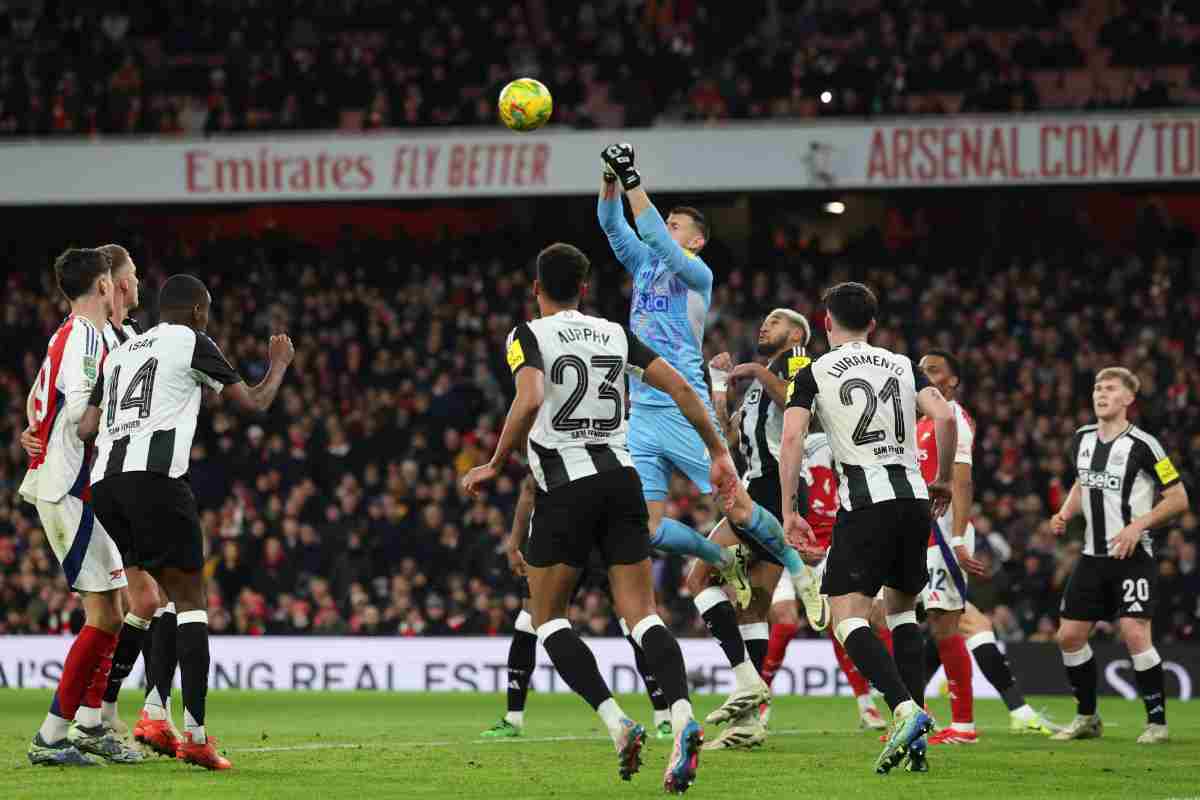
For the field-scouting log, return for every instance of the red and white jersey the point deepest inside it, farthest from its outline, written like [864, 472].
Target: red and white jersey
[61, 392]
[927, 452]
[821, 477]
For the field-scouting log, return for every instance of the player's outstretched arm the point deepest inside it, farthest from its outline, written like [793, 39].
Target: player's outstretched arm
[259, 398]
[690, 269]
[631, 251]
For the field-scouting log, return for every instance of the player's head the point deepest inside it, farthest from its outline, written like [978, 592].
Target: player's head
[1114, 392]
[850, 309]
[124, 275]
[562, 276]
[942, 370]
[783, 329]
[83, 273]
[688, 227]
[184, 300]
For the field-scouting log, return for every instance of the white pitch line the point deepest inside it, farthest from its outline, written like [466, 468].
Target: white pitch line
[512, 741]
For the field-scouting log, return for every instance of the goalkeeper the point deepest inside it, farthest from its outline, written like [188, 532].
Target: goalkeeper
[672, 290]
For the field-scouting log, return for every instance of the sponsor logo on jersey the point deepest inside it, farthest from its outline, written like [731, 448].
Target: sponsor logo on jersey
[1166, 471]
[515, 355]
[1090, 479]
[651, 301]
[797, 363]
[90, 366]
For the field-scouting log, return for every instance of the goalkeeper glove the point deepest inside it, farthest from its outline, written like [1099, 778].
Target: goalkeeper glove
[618, 160]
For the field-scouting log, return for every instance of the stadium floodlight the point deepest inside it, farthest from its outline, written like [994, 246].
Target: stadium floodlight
[836, 207]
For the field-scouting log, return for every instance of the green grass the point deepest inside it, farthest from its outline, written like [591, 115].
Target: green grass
[366, 745]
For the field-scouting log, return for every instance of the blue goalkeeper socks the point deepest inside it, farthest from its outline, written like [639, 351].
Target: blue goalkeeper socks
[768, 532]
[674, 537]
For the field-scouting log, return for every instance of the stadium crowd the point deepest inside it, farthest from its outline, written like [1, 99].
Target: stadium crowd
[217, 67]
[339, 511]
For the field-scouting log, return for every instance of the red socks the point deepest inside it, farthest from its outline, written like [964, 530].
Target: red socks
[89, 655]
[857, 682]
[777, 645]
[957, 663]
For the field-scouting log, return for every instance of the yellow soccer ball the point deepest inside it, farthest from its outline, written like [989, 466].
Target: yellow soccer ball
[525, 104]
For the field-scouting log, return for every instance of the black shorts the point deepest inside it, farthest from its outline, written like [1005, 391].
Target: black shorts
[1101, 588]
[604, 512]
[152, 518]
[593, 576]
[881, 545]
[763, 490]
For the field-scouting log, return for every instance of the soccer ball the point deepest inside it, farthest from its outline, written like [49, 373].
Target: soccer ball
[525, 104]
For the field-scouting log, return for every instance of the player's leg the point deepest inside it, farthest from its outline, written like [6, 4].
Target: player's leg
[522, 657]
[155, 727]
[141, 600]
[944, 602]
[976, 628]
[721, 619]
[1085, 600]
[633, 593]
[567, 524]
[658, 701]
[757, 523]
[92, 567]
[1136, 581]
[784, 620]
[752, 620]
[649, 433]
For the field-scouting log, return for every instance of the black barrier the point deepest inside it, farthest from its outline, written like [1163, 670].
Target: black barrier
[1039, 669]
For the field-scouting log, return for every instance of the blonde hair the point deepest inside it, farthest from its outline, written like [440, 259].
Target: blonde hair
[1121, 374]
[797, 319]
[117, 254]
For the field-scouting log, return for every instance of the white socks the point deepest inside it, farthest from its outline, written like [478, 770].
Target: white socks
[87, 717]
[196, 730]
[1024, 713]
[746, 675]
[662, 716]
[54, 729]
[612, 715]
[904, 709]
[515, 718]
[865, 702]
[681, 714]
[108, 712]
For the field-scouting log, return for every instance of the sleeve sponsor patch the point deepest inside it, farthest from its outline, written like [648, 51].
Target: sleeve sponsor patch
[1166, 471]
[516, 354]
[794, 365]
[90, 367]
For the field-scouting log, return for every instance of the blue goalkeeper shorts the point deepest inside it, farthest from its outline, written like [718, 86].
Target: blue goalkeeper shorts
[660, 440]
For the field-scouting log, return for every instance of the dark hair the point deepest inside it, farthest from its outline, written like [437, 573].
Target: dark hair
[562, 269]
[118, 255]
[181, 293]
[697, 216]
[77, 269]
[950, 360]
[852, 304]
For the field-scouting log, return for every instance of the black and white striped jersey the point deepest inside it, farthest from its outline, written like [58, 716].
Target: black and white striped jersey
[149, 400]
[1118, 481]
[866, 397]
[115, 336]
[761, 426]
[581, 427]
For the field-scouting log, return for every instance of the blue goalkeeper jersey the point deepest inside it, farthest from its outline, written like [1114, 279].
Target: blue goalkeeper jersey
[672, 290]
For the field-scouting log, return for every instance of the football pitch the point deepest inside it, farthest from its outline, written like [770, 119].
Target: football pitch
[397, 745]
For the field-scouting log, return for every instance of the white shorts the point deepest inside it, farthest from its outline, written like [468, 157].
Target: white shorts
[89, 557]
[941, 593]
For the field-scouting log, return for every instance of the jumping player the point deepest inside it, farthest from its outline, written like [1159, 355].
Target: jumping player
[672, 290]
